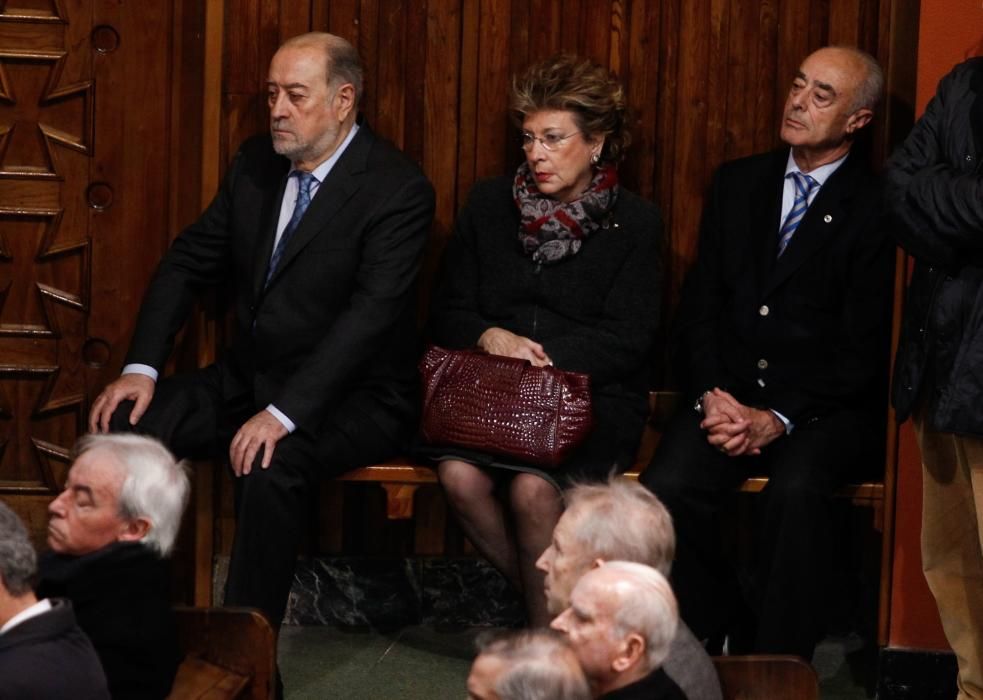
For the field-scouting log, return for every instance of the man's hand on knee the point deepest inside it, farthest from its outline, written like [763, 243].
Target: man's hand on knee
[138, 388]
[262, 431]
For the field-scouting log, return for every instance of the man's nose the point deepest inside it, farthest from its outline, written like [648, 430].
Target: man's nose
[57, 506]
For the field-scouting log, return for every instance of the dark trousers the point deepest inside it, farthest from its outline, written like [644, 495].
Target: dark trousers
[194, 416]
[784, 608]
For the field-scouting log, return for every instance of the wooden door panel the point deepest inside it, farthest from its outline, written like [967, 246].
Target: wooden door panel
[87, 89]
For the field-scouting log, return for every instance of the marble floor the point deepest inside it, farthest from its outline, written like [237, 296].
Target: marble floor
[420, 662]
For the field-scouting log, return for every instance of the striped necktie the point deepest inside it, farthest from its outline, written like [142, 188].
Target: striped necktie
[804, 185]
[304, 181]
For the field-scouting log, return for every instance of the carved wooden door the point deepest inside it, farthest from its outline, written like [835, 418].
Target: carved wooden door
[86, 110]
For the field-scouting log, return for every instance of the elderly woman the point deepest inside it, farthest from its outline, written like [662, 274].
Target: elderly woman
[559, 265]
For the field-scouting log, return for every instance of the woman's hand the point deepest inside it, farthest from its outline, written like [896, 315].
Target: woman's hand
[498, 341]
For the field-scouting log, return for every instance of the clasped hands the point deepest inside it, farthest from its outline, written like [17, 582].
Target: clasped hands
[736, 429]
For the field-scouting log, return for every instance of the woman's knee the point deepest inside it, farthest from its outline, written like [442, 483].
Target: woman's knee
[464, 483]
[531, 496]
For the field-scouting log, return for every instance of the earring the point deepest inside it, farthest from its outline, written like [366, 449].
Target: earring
[595, 159]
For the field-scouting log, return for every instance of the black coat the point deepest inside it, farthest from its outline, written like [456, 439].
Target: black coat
[595, 312]
[804, 334]
[335, 329]
[121, 599]
[49, 658]
[655, 686]
[935, 196]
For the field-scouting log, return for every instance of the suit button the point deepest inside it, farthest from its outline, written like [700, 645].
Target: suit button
[763, 311]
[762, 363]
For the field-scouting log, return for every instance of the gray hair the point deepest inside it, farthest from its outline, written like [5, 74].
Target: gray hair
[539, 665]
[18, 561]
[871, 88]
[649, 609]
[621, 519]
[344, 63]
[155, 485]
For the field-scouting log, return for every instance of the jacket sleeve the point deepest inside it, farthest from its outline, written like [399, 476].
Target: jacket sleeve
[936, 206]
[200, 256]
[620, 343]
[390, 259]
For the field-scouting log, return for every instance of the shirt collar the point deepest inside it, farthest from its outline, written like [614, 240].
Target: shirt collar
[321, 171]
[820, 174]
[39, 608]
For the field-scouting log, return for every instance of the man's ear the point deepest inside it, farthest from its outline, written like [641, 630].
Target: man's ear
[630, 652]
[134, 530]
[858, 120]
[344, 101]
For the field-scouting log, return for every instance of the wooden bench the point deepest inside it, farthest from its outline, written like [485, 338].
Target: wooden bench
[766, 678]
[228, 653]
[401, 477]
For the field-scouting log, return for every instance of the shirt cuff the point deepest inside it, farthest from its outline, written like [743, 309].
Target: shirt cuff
[789, 425]
[280, 416]
[137, 368]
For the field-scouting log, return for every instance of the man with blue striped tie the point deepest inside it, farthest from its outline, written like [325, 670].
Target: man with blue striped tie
[783, 328]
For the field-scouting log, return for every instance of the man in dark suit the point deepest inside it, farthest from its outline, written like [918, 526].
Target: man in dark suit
[43, 653]
[318, 231]
[783, 327]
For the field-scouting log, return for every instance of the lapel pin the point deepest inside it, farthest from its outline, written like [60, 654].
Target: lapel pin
[827, 218]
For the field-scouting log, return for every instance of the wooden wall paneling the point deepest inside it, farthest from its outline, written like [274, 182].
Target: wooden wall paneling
[640, 76]
[768, 101]
[369, 48]
[571, 26]
[691, 138]
[414, 61]
[598, 21]
[440, 128]
[468, 134]
[543, 28]
[493, 88]
[742, 80]
[717, 95]
[391, 60]
[295, 18]
[820, 21]
[843, 23]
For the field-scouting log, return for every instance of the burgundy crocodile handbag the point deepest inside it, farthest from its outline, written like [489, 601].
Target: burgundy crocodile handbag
[503, 406]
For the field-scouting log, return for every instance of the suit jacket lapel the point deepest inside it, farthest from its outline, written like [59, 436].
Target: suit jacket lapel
[271, 215]
[766, 210]
[338, 187]
[825, 216]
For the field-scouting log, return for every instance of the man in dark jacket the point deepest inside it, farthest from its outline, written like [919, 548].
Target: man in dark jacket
[110, 531]
[935, 194]
[43, 653]
[783, 327]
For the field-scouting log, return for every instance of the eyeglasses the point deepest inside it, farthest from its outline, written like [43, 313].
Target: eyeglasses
[551, 142]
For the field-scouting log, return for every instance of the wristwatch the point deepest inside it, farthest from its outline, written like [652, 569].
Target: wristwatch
[698, 406]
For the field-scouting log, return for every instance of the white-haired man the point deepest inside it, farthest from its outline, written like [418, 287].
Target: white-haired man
[623, 520]
[527, 664]
[110, 532]
[43, 653]
[620, 623]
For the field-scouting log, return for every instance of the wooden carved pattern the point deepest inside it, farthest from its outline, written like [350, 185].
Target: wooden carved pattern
[33, 115]
[47, 132]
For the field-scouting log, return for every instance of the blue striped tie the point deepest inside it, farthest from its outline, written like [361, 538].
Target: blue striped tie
[804, 185]
[304, 181]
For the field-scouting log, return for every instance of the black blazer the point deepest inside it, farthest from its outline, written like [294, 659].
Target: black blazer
[334, 330]
[804, 334]
[48, 656]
